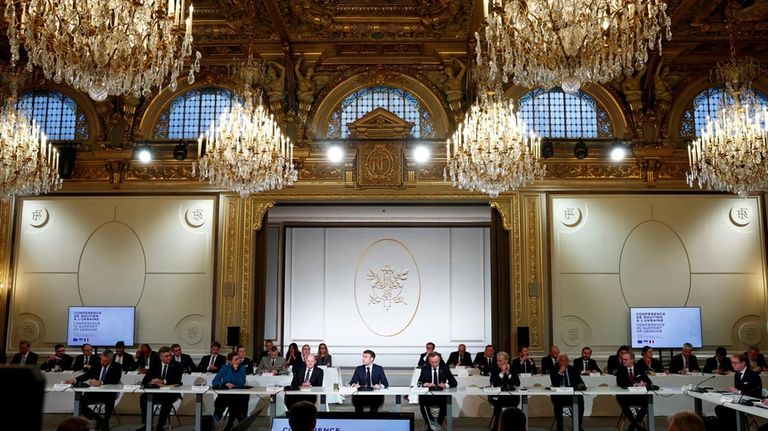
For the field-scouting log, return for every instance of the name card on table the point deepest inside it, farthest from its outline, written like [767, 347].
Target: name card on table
[347, 390]
[131, 387]
[200, 388]
[274, 389]
[595, 374]
[419, 390]
[696, 373]
[640, 389]
[492, 390]
[61, 386]
[525, 375]
[564, 390]
[461, 371]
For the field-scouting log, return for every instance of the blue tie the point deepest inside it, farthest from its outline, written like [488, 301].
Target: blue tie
[103, 374]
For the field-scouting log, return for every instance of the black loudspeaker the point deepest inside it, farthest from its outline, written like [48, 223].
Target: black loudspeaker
[25, 401]
[523, 336]
[67, 156]
[233, 335]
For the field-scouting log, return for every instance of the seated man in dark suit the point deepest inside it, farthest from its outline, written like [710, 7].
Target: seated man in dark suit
[627, 376]
[305, 377]
[423, 357]
[167, 373]
[585, 364]
[485, 360]
[746, 382]
[369, 376]
[549, 362]
[566, 376]
[211, 363]
[435, 376]
[107, 372]
[126, 360]
[460, 357]
[718, 364]
[245, 361]
[756, 360]
[58, 361]
[25, 356]
[524, 364]
[685, 362]
[614, 361]
[86, 360]
[184, 360]
[504, 377]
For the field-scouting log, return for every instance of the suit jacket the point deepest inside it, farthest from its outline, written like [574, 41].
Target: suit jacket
[578, 363]
[481, 362]
[64, 363]
[31, 358]
[172, 376]
[377, 376]
[547, 363]
[315, 379]
[128, 362]
[676, 366]
[114, 373]
[749, 384]
[247, 363]
[218, 363]
[642, 367]
[79, 363]
[465, 360]
[571, 377]
[527, 367]
[266, 364]
[711, 365]
[504, 380]
[613, 364]
[623, 380]
[187, 364]
[760, 360]
[142, 362]
[423, 360]
[444, 375]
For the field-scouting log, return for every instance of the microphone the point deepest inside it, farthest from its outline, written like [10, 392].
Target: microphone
[698, 387]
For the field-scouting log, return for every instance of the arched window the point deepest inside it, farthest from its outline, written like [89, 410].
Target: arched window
[399, 102]
[557, 114]
[705, 105]
[58, 115]
[191, 114]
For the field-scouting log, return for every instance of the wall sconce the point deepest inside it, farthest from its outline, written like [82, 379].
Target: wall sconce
[580, 150]
[618, 151]
[143, 153]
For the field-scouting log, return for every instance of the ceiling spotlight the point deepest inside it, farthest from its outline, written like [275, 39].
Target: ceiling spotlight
[144, 154]
[421, 154]
[580, 150]
[618, 151]
[547, 149]
[334, 154]
[180, 152]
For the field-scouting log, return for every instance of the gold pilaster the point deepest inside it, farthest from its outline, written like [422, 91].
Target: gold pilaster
[533, 269]
[230, 244]
[6, 224]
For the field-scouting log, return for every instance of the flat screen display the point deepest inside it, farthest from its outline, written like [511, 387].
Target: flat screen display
[349, 421]
[665, 327]
[100, 326]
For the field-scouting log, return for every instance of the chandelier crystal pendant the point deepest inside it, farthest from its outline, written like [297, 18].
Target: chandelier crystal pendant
[29, 164]
[548, 43]
[104, 47]
[246, 152]
[732, 152]
[492, 151]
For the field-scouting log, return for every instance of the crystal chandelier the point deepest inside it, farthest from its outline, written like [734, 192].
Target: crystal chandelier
[547, 43]
[492, 150]
[246, 152]
[29, 164]
[104, 47]
[732, 152]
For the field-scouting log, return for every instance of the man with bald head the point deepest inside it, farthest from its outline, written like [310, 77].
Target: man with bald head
[305, 377]
[566, 375]
[549, 362]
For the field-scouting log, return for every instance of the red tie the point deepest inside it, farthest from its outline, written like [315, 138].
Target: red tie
[631, 376]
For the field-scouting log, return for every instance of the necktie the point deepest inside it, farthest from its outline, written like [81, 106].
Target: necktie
[213, 359]
[368, 376]
[103, 374]
[162, 375]
[739, 376]
[273, 363]
[585, 365]
[631, 376]
[435, 381]
[489, 362]
[307, 374]
[24, 359]
[119, 359]
[685, 363]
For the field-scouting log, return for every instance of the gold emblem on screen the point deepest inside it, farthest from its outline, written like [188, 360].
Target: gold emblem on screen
[387, 286]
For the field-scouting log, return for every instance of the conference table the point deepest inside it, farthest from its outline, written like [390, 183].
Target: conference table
[475, 404]
[730, 401]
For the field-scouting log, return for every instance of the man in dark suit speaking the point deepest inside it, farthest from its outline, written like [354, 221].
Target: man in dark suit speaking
[566, 376]
[367, 377]
[746, 382]
[436, 377]
[307, 376]
[25, 356]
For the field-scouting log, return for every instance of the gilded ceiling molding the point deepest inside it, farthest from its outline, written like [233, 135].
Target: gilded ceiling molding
[533, 267]
[505, 211]
[433, 102]
[613, 106]
[258, 208]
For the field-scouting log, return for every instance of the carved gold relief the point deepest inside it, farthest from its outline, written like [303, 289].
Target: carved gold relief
[379, 164]
[517, 263]
[591, 171]
[533, 267]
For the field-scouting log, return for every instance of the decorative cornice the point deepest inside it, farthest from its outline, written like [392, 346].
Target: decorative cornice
[259, 208]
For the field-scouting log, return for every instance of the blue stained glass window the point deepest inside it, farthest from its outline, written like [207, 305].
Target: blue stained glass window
[706, 105]
[192, 113]
[399, 102]
[57, 114]
[556, 114]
